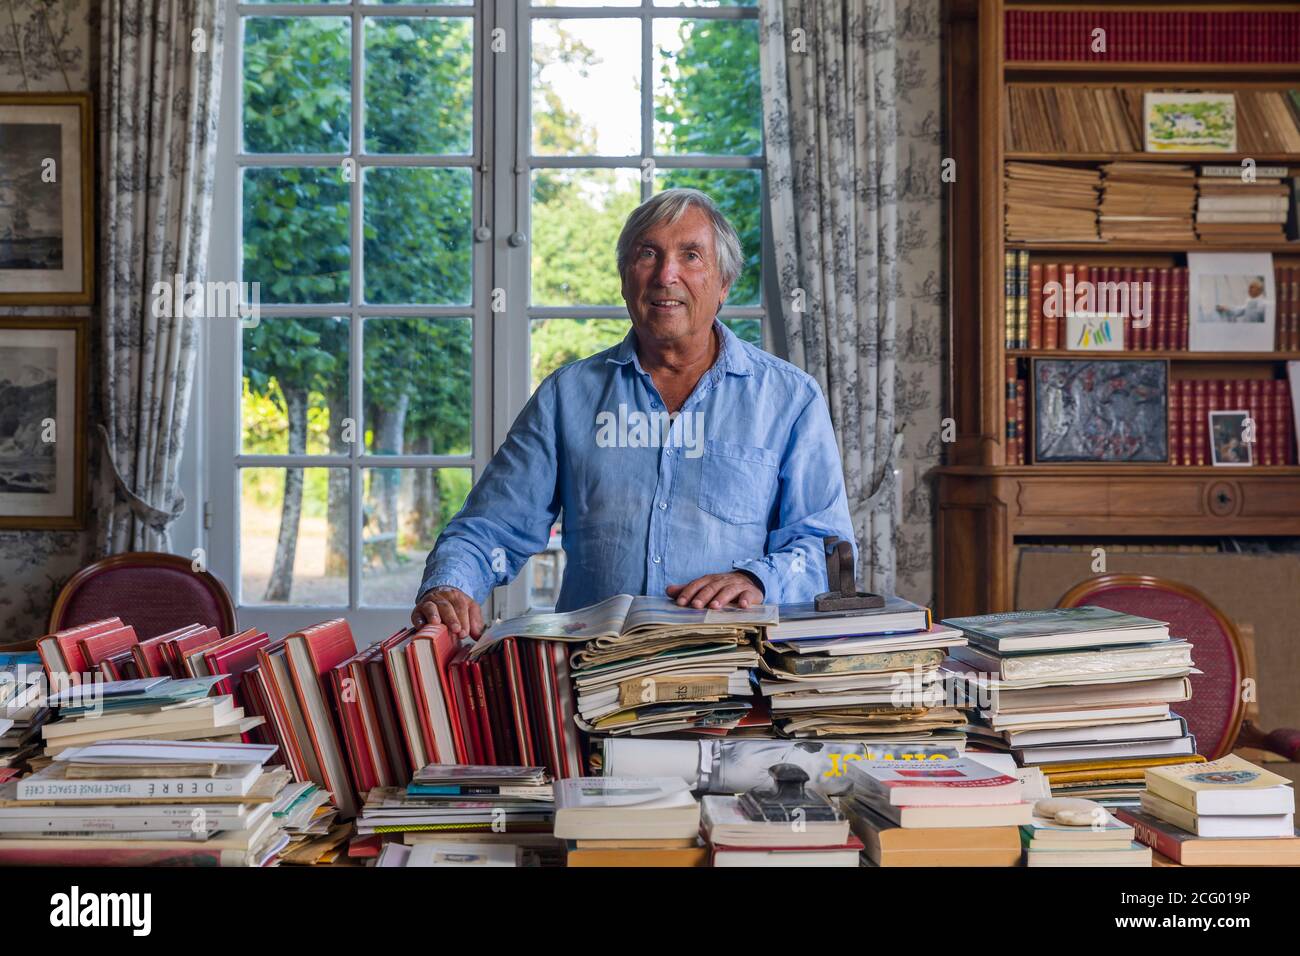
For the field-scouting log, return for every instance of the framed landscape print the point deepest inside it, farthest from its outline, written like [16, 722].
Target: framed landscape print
[43, 422]
[1100, 410]
[46, 181]
[1190, 122]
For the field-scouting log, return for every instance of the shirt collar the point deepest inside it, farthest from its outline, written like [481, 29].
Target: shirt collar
[731, 358]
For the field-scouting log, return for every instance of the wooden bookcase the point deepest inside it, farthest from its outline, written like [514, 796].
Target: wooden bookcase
[984, 505]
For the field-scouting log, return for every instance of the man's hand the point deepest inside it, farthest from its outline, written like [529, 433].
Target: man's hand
[718, 590]
[451, 607]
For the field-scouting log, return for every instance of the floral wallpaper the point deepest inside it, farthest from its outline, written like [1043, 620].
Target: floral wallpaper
[45, 47]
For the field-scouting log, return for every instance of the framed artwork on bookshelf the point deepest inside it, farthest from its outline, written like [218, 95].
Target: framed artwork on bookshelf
[1190, 122]
[46, 224]
[1232, 302]
[43, 368]
[1100, 410]
[1232, 439]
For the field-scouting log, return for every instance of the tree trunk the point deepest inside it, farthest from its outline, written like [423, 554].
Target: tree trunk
[336, 507]
[286, 545]
[390, 426]
[426, 504]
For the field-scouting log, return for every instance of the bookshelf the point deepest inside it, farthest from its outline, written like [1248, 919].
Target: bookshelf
[986, 501]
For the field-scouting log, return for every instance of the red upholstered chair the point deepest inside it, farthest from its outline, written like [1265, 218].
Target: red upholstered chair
[153, 592]
[1216, 712]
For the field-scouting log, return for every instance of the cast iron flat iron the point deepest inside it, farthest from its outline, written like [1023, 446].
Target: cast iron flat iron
[844, 594]
[788, 800]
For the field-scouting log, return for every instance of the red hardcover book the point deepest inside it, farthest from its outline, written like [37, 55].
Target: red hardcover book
[1175, 423]
[175, 650]
[119, 667]
[1262, 453]
[1051, 273]
[1182, 307]
[342, 688]
[312, 653]
[404, 703]
[1164, 309]
[61, 653]
[100, 647]
[149, 654]
[1293, 297]
[474, 671]
[400, 763]
[1187, 423]
[467, 706]
[1009, 413]
[1288, 422]
[499, 708]
[572, 760]
[281, 702]
[1036, 305]
[233, 657]
[371, 734]
[432, 650]
[257, 704]
[1069, 279]
[516, 687]
[1201, 416]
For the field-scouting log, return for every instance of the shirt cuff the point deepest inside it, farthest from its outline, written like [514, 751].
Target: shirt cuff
[762, 569]
[455, 576]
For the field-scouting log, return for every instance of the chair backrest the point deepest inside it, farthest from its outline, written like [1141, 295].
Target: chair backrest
[153, 592]
[1216, 710]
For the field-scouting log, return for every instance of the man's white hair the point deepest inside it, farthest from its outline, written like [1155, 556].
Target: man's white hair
[669, 206]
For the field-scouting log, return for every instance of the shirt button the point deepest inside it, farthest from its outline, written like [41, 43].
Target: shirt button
[663, 505]
[658, 558]
[668, 451]
[654, 404]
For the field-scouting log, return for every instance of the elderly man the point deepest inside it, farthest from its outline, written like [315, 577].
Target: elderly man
[686, 462]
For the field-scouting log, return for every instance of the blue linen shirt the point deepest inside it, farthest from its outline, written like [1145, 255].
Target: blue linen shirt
[747, 476]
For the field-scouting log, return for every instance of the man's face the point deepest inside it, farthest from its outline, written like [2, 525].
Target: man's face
[1256, 289]
[673, 287]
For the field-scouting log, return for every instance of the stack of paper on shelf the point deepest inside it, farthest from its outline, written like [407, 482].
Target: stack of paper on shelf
[1226, 812]
[1082, 692]
[958, 812]
[647, 666]
[1095, 839]
[1229, 208]
[1147, 202]
[629, 821]
[146, 802]
[870, 675]
[1051, 203]
[23, 710]
[451, 854]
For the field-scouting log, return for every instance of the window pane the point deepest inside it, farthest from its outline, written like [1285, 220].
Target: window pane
[747, 330]
[395, 3]
[293, 1]
[705, 3]
[707, 94]
[295, 389]
[404, 512]
[554, 343]
[297, 84]
[419, 386]
[419, 85]
[738, 193]
[577, 215]
[418, 236]
[293, 536]
[586, 92]
[544, 571]
[586, 3]
[296, 234]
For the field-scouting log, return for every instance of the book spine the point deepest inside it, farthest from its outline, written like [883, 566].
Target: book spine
[1175, 424]
[1144, 833]
[35, 788]
[1187, 422]
[1022, 299]
[1036, 306]
[1164, 310]
[1181, 307]
[1262, 450]
[1009, 298]
[1051, 274]
[1288, 423]
[1010, 413]
[1021, 432]
[1201, 413]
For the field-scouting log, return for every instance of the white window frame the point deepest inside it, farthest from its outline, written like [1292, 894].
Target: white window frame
[503, 167]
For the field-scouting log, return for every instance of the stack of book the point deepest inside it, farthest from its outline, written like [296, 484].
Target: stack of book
[629, 821]
[1051, 203]
[1147, 202]
[646, 666]
[1230, 209]
[1226, 812]
[154, 708]
[451, 854]
[959, 812]
[738, 839]
[1074, 119]
[462, 803]
[22, 711]
[1083, 693]
[147, 802]
[870, 675]
[1092, 837]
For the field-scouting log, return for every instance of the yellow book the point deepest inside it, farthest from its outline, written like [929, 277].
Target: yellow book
[1128, 763]
[1227, 786]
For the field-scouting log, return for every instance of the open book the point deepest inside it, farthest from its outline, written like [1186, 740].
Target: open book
[624, 617]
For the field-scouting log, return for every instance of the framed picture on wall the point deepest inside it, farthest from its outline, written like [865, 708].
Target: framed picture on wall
[43, 369]
[1101, 410]
[1231, 438]
[46, 183]
[1232, 302]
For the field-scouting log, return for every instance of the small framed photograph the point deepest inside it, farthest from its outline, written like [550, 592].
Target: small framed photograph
[46, 183]
[1232, 302]
[1231, 438]
[1101, 410]
[1190, 122]
[43, 367]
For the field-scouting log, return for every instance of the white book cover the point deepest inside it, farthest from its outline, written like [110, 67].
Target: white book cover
[604, 793]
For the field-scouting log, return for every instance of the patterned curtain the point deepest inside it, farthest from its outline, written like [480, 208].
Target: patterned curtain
[160, 69]
[829, 116]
